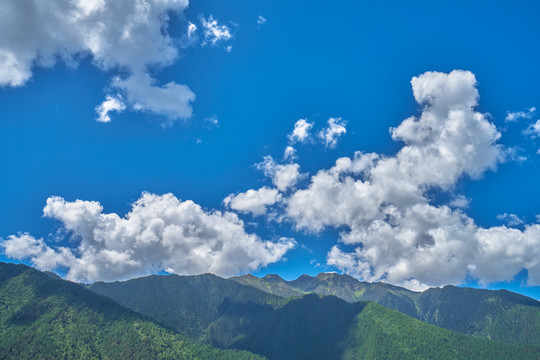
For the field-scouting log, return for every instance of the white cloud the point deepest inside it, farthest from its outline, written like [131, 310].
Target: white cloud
[330, 135]
[261, 20]
[160, 232]
[125, 36]
[192, 28]
[253, 201]
[228, 48]
[284, 176]
[212, 121]
[110, 104]
[301, 131]
[515, 116]
[173, 101]
[289, 153]
[510, 219]
[533, 130]
[381, 204]
[214, 32]
[459, 201]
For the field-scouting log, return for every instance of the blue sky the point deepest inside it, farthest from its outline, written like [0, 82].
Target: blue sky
[268, 65]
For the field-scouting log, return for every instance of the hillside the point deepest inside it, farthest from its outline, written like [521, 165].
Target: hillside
[499, 315]
[188, 304]
[42, 317]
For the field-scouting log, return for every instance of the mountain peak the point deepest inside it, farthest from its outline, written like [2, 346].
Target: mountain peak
[305, 277]
[273, 277]
[334, 275]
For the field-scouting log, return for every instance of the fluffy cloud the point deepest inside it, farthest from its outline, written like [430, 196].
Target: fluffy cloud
[335, 129]
[261, 20]
[284, 176]
[125, 36]
[459, 201]
[253, 201]
[381, 204]
[173, 101]
[289, 153]
[301, 132]
[159, 233]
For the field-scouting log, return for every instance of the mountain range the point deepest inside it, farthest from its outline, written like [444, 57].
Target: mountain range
[209, 317]
[498, 315]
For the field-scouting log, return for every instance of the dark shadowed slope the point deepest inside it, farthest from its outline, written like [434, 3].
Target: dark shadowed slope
[46, 318]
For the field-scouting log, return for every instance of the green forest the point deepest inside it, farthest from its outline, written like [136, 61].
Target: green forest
[208, 317]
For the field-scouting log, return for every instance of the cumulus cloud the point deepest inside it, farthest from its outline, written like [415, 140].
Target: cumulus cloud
[301, 132]
[261, 20]
[389, 229]
[331, 134]
[161, 232]
[253, 201]
[124, 36]
[214, 32]
[284, 176]
[173, 101]
[515, 116]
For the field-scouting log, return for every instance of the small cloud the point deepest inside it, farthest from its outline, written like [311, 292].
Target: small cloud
[289, 153]
[253, 201]
[330, 135]
[198, 141]
[510, 219]
[110, 104]
[515, 116]
[213, 32]
[212, 121]
[192, 28]
[301, 131]
[459, 201]
[228, 49]
[284, 177]
[261, 20]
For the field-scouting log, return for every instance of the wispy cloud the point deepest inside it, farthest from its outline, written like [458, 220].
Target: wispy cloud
[515, 116]
[214, 32]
